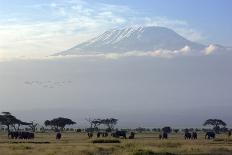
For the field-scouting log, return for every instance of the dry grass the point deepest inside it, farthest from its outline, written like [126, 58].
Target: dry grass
[144, 144]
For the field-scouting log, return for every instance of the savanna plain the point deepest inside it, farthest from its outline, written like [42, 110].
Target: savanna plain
[146, 143]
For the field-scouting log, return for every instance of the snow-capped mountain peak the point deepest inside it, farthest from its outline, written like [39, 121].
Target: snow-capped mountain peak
[145, 39]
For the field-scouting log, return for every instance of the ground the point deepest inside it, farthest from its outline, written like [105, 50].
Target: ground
[144, 144]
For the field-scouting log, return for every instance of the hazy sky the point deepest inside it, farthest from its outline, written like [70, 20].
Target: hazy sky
[139, 91]
[43, 27]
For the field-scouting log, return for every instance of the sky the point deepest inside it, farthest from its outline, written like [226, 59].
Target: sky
[44, 27]
[139, 91]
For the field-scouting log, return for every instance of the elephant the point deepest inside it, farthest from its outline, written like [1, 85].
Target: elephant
[90, 134]
[229, 133]
[132, 135]
[194, 135]
[118, 134]
[21, 135]
[187, 135]
[98, 134]
[103, 134]
[210, 135]
[58, 136]
[13, 134]
[163, 135]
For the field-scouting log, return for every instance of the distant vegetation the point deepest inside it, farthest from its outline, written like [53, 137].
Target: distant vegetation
[11, 122]
[106, 141]
[218, 125]
[108, 122]
[58, 124]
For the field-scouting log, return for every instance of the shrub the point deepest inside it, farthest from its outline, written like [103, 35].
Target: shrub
[149, 152]
[143, 152]
[106, 141]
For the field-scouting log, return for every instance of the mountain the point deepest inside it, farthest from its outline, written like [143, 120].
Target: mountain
[143, 39]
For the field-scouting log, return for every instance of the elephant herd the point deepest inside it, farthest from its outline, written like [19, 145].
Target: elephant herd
[21, 135]
[116, 134]
[189, 135]
[193, 135]
[163, 135]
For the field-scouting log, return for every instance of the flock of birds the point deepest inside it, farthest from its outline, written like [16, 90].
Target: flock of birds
[48, 84]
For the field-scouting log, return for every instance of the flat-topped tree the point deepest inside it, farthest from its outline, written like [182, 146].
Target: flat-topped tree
[110, 123]
[9, 120]
[59, 123]
[94, 123]
[216, 123]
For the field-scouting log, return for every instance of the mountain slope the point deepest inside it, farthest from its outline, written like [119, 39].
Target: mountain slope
[134, 39]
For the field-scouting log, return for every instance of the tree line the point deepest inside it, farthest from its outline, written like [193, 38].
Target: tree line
[59, 124]
[11, 122]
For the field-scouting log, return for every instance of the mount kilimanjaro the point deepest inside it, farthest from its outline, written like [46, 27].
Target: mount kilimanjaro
[144, 39]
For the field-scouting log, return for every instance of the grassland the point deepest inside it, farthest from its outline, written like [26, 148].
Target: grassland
[144, 144]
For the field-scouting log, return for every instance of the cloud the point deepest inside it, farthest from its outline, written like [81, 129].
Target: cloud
[48, 84]
[210, 49]
[71, 22]
[160, 53]
[185, 49]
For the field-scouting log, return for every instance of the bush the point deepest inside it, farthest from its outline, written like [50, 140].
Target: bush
[106, 141]
[149, 152]
[143, 152]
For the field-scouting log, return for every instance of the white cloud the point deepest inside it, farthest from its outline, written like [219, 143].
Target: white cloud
[76, 21]
[160, 53]
[210, 49]
[185, 49]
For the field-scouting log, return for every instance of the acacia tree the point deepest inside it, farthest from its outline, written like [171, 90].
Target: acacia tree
[59, 123]
[216, 123]
[110, 123]
[94, 123]
[9, 120]
[6, 119]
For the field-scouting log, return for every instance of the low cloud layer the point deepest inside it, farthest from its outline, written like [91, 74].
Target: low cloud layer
[210, 49]
[160, 53]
